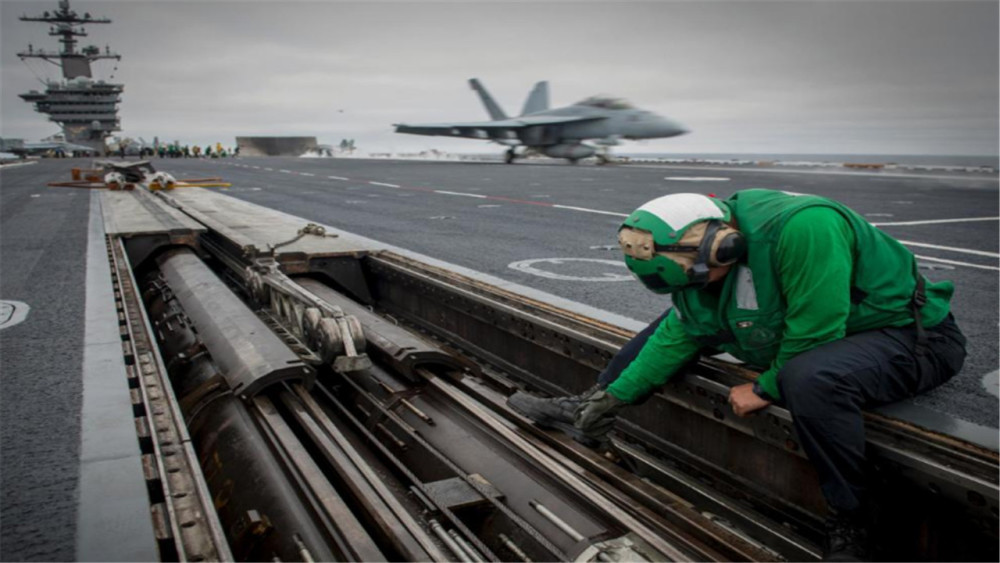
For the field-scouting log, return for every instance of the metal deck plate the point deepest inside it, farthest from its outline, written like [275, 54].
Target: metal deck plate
[139, 212]
[250, 225]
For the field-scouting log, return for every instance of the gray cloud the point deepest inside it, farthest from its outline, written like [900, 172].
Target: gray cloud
[883, 77]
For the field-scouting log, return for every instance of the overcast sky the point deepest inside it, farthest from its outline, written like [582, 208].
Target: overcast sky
[749, 76]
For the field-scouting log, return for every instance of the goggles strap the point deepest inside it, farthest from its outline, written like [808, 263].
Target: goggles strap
[676, 248]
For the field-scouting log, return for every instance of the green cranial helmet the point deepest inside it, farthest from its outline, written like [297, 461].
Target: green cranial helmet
[662, 240]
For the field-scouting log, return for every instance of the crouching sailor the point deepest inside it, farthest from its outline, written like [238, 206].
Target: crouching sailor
[831, 309]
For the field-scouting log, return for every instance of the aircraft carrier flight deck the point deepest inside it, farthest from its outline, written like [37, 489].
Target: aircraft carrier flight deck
[543, 231]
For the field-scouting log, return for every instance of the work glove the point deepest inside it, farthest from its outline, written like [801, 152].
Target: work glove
[596, 415]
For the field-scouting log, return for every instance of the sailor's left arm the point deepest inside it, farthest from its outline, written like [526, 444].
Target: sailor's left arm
[666, 351]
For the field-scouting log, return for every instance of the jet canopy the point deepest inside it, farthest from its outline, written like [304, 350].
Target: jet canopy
[605, 102]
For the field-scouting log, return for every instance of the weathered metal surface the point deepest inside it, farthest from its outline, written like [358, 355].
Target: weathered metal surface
[394, 525]
[400, 409]
[411, 473]
[663, 506]
[566, 475]
[350, 539]
[394, 345]
[139, 212]
[250, 491]
[256, 230]
[146, 223]
[335, 338]
[250, 357]
[455, 493]
[189, 528]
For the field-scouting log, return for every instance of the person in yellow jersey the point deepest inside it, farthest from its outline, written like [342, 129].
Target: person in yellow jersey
[831, 309]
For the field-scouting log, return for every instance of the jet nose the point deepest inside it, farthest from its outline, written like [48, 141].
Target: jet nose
[671, 128]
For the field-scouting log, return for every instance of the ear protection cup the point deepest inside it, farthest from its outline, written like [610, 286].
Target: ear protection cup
[730, 245]
[722, 245]
[699, 271]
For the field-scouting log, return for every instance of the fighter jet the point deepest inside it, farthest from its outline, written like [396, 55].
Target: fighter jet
[558, 132]
[50, 148]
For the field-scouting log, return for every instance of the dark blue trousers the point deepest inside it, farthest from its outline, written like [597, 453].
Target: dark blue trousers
[827, 388]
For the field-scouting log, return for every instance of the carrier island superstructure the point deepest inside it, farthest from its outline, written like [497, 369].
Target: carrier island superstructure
[86, 109]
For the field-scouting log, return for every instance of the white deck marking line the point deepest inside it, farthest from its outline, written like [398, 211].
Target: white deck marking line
[754, 169]
[695, 179]
[459, 193]
[951, 248]
[16, 164]
[12, 313]
[285, 171]
[337, 178]
[255, 167]
[935, 221]
[383, 184]
[306, 174]
[269, 169]
[991, 382]
[957, 263]
[585, 210]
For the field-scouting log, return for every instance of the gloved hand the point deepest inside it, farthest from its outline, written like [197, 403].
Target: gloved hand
[597, 413]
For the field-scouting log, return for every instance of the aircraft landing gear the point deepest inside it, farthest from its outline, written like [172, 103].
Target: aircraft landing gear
[604, 157]
[510, 156]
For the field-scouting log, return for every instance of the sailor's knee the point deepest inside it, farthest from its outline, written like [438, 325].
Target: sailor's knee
[803, 383]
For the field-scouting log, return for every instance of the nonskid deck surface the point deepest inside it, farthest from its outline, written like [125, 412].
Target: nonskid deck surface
[43, 259]
[488, 218]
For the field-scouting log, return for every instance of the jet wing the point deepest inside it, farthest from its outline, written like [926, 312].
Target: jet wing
[51, 146]
[489, 129]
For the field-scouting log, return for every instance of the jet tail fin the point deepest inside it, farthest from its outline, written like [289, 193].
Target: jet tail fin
[538, 99]
[491, 106]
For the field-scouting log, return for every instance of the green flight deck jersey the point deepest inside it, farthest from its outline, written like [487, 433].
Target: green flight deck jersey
[815, 271]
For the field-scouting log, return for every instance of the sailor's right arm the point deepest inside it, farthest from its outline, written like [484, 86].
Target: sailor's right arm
[666, 351]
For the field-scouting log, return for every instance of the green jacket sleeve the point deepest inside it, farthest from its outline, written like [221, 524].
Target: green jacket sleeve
[668, 348]
[815, 262]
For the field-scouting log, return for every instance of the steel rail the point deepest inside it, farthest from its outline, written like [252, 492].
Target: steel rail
[194, 527]
[547, 461]
[397, 524]
[449, 541]
[343, 527]
[465, 477]
[621, 499]
[415, 482]
[659, 505]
